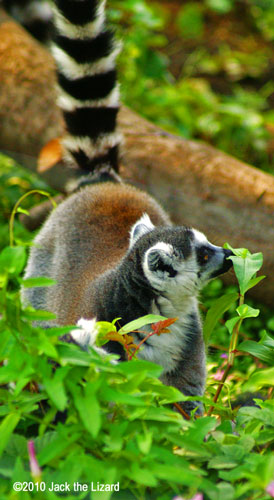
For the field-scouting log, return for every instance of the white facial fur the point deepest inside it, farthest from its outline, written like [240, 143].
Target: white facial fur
[200, 238]
[184, 283]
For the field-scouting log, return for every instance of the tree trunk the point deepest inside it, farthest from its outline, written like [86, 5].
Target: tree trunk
[197, 184]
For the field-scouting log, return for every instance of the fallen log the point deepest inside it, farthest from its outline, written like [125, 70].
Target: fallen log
[197, 184]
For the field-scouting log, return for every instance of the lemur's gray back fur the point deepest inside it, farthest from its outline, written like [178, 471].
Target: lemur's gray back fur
[111, 247]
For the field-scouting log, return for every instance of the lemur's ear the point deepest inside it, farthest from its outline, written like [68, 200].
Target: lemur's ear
[160, 261]
[142, 226]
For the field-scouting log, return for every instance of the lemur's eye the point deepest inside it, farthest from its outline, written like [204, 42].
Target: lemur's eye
[203, 255]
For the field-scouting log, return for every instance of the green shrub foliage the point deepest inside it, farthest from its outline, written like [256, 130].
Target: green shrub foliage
[74, 419]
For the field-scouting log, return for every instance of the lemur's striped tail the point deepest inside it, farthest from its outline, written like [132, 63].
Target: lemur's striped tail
[85, 52]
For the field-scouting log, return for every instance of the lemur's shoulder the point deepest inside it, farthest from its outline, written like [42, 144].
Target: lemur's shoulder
[107, 201]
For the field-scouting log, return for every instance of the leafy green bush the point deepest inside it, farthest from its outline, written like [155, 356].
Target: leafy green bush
[73, 418]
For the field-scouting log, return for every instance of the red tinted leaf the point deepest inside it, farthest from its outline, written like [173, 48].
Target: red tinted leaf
[162, 326]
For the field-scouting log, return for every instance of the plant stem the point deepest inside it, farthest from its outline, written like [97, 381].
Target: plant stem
[231, 357]
[14, 211]
[235, 336]
[220, 386]
[270, 392]
[139, 345]
[180, 410]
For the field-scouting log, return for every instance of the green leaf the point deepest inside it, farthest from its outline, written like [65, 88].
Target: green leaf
[267, 340]
[226, 491]
[219, 307]
[130, 368]
[59, 331]
[17, 446]
[19, 472]
[180, 475]
[140, 322]
[263, 436]
[6, 467]
[260, 379]
[246, 311]
[37, 282]
[37, 315]
[73, 355]
[40, 442]
[266, 354]
[21, 210]
[122, 398]
[235, 451]
[45, 345]
[109, 477]
[189, 444]
[239, 252]
[246, 268]
[231, 323]
[254, 281]
[6, 342]
[144, 441]
[247, 442]
[201, 428]
[159, 415]
[88, 407]
[142, 476]
[55, 448]
[165, 394]
[222, 462]
[55, 387]
[105, 327]
[12, 260]
[249, 413]
[234, 474]
[6, 429]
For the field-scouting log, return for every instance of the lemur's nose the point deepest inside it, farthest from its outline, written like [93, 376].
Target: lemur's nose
[227, 262]
[227, 253]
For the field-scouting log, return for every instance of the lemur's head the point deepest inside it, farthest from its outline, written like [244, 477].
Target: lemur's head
[177, 260]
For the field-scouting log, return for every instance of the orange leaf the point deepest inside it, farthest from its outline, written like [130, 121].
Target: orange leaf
[50, 154]
[125, 340]
[116, 337]
[162, 326]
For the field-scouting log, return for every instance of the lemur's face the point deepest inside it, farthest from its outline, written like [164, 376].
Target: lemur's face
[178, 260]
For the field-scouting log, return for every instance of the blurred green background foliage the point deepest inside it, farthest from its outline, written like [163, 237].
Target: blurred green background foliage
[202, 69]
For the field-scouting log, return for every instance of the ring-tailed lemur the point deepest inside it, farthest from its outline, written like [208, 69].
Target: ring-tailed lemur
[111, 247]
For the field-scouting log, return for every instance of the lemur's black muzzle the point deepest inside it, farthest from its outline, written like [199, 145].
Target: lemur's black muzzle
[227, 264]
